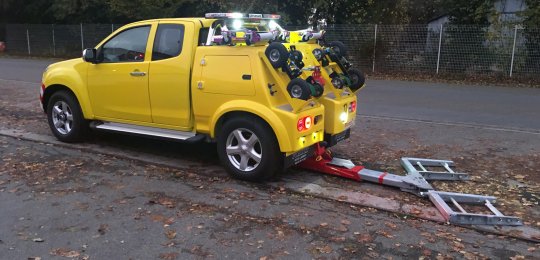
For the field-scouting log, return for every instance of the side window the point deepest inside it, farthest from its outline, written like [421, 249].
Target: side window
[168, 42]
[127, 46]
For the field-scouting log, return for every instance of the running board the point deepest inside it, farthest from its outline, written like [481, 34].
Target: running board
[144, 130]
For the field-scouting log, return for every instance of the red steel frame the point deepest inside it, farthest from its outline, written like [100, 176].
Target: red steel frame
[320, 162]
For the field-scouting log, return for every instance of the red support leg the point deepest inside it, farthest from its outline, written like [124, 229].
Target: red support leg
[320, 162]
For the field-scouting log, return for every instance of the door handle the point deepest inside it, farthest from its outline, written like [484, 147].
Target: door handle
[137, 73]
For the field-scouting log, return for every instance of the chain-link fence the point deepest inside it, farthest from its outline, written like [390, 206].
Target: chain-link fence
[52, 40]
[503, 51]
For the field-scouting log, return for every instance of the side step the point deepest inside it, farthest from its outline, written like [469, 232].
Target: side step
[148, 131]
[440, 200]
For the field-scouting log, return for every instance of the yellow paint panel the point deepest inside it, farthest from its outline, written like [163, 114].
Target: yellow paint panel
[230, 75]
[294, 37]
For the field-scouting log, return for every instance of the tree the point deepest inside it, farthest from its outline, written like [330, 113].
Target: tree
[531, 23]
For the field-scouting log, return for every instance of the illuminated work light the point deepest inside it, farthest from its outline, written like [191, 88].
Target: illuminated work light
[343, 117]
[237, 24]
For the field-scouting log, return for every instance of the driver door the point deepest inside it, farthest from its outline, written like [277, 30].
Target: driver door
[118, 83]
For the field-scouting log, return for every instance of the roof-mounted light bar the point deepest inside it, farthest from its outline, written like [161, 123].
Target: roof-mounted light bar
[242, 15]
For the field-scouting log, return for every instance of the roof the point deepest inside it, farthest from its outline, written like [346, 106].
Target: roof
[203, 21]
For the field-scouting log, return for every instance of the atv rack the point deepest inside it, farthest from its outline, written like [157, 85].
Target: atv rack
[416, 182]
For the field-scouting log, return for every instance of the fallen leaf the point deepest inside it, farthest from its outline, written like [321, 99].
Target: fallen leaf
[168, 256]
[345, 222]
[103, 228]
[170, 233]
[325, 249]
[65, 252]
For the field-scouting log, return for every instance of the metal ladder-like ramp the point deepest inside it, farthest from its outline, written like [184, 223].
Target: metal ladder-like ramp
[419, 171]
[440, 199]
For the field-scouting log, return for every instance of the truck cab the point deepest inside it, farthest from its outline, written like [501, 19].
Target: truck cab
[174, 79]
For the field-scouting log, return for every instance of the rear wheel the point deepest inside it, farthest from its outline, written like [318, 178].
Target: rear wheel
[65, 117]
[277, 54]
[339, 48]
[299, 88]
[248, 149]
[357, 79]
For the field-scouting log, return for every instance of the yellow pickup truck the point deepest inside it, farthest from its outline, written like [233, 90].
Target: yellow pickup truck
[265, 95]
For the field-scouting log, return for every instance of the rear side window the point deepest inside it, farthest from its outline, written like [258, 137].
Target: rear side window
[168, 42]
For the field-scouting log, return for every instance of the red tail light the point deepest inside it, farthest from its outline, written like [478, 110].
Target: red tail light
[304, 123]
[352, 107]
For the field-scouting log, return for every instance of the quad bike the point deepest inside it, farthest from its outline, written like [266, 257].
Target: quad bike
[335, 52]
[291, 62]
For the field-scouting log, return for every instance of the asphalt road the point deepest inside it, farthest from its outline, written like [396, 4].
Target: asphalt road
[484, 106]
[121, 197]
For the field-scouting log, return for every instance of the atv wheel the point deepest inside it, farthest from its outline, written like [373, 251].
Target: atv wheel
[318, 90]
[357, 79]
[339, 48]
[299, 88]
[65, 117]
[277, 54]
[248, 149]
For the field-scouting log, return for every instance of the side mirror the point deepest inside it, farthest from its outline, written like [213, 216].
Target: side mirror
[89, 55]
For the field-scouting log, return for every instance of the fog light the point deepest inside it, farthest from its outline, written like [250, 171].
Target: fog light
[343, 117]
[301, 141]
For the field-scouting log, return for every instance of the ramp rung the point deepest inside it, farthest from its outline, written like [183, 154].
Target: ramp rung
[458, 206]
[493, 209]
[445, 165]
[421, 166]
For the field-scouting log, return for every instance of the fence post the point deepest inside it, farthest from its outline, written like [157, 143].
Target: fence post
[82, 38]
[513, 50]
[112, 27]
[439, 51]
[374, 48]
[28, 41]
[53, 41]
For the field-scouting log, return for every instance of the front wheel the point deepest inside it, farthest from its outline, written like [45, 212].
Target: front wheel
[248, 149]
[65, 118]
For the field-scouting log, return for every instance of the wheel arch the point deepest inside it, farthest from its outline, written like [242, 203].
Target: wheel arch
[268, 117]
[53, 88]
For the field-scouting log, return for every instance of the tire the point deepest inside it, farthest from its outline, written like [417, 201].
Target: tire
[243, 141]
[299, 88]
[318, 53]
[297, 58]
[65, 118]
[357, 79]
[277, 54]
[339, 48]
[318, 90]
